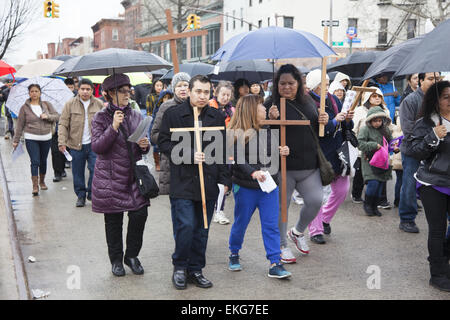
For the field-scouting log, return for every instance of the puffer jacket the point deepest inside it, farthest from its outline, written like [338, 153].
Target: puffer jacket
[113, 187]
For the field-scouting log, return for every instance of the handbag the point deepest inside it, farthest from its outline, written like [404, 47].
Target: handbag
[148, 188]
[327, 174]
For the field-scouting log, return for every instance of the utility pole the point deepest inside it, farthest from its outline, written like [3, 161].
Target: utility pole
[331, 23]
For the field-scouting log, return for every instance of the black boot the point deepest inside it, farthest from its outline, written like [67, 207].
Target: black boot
[375, 202]
[439, 274]
[368, 206]
[447, 255]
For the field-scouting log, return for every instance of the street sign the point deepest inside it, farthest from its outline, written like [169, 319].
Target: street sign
[354, 40]
[351, 33]
[326, 23]
[338, 44]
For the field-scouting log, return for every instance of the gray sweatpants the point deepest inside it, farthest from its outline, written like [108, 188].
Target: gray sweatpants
[309, 185]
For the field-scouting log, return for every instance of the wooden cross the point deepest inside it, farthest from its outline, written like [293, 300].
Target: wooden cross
[172, 36]
[360, 91]
[323, 87]
[197, 129]
[283, 123]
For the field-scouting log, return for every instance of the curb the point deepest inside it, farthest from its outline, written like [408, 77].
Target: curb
[19, 266]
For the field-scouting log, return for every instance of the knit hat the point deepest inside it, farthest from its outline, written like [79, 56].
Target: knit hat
[116, 81]
[180, 76]
[314, 78]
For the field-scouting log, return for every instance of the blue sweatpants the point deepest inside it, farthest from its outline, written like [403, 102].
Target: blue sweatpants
[246, 202]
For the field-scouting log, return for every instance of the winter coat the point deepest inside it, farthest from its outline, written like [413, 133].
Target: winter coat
[391, 101]
[184, 177]
[409, 110]
[299, 139]
[164, 173]
[334, 131]
[114, 189]
[227, 110]
[142, 91]
[368, 138]
[432, 153]
[397, 157]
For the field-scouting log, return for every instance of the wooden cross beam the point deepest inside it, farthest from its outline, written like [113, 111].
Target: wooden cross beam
[283, 123]
[323, 87]
[172, 37]
[360, 91]
[197, 129]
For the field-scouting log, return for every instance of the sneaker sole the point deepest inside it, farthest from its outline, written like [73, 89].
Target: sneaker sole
[290, 261]
[279, 277]
[439, 288]
[224, 222]
[234, 270]
[300, 250]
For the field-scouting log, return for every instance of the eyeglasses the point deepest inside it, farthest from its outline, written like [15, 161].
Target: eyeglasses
[124, 91]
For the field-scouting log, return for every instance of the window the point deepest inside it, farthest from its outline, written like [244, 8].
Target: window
[196, 47]
[167, 52]
[268, 22]
[411, 28]
[353, 22]
[250, 27]
[213, 41]
[260, 24]
[115, 35]
[242, 17]
[234, 20]
[227, 21]
[156, 48]
[289, 22]
[102, 39]
[260, 1]
[249, 3]
[183, 49]
[382, 33]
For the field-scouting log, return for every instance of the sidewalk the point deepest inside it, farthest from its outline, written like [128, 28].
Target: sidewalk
[70, 247]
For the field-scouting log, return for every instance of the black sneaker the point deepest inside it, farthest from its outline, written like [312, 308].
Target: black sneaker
[318, 238]
[357, 199]
[326, 228]
[81, 202]
[57, 178]
[409, 226]
[385, 205]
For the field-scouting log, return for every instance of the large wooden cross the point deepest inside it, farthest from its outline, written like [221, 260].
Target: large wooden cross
[283, 123]
[172, 36]
[197, 129]
[360, 91]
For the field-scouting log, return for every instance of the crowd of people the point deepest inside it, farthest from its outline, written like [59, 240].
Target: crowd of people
[406, 133]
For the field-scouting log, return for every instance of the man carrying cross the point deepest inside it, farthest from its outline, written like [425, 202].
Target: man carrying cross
[190, 234]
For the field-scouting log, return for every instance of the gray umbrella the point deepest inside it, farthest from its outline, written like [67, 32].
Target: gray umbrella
[432, 53]
[356, 64]
[388, 61]
[252, 70]
[192, 69]
[110, 61]
[64, 57]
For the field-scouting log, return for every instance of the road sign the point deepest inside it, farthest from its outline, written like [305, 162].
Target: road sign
[354, 40]
[351, 33]
[338, 44]
[326, 23]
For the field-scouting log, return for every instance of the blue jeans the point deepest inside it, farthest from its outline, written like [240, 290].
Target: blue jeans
[191, 238]
[38, 151]
[374, 188]
[407, 208]
[79, 167]
[246, 202]
[398, 185]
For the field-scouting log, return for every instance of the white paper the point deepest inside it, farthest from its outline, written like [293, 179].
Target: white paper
[221, 195]
[269, 184]
[18, 152]
[141, 131]
[216, 69]
[67, 155]
[349, 99]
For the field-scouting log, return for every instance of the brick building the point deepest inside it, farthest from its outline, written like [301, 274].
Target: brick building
[109, 33]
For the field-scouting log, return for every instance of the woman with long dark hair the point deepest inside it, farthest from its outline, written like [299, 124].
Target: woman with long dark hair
[431, 145]
[303, 172]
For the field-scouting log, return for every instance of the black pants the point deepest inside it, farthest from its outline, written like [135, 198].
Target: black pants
[358, 181]
[436, 205]
[58, 159]
[135, 232]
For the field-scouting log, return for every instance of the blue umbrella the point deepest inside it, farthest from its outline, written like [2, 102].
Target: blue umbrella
[389, 61]
[273, 43]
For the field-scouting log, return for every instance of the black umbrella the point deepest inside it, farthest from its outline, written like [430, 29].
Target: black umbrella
[432, 53]
[192, 69]
[356, 64]
[110, 61]
[252, 70]
[389, 61]
[159, 72]
[64, 57]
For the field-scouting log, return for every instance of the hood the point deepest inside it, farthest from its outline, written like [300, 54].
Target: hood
[342, 76]
[368, 94]
[335, 85]
[377, 112]
[163, 93]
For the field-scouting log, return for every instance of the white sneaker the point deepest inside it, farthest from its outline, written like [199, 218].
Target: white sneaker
[220, 218]
[287, 256]
[300, 242]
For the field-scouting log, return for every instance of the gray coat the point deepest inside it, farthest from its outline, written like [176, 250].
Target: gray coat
[409, 109]
[164, 174]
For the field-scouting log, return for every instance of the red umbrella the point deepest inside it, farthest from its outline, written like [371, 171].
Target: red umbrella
[6, 69]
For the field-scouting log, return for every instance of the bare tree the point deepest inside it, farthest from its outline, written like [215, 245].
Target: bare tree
[15, 18]
[435, 10]
[154, 13]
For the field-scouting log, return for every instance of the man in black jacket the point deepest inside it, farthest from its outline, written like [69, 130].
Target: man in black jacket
[185, 197]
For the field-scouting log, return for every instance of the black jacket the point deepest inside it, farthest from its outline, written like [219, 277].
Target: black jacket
[434, 168]
[299, 139]
[243, 168]
[141, 93]
[184, 177]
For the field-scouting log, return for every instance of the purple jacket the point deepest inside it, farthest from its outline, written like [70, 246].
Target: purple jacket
[113, 187]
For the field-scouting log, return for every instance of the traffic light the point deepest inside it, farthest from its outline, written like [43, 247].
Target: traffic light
[55, 10]
[191, 21]
[48, 5]
[196, 22]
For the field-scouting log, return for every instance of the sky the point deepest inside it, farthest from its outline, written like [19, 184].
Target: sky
[76, 19]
